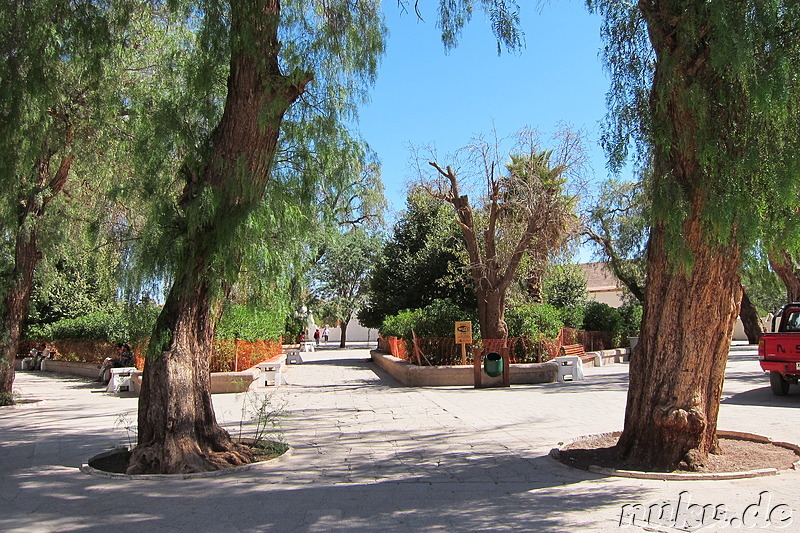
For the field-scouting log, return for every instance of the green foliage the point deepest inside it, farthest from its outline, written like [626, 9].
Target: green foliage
[423, 261]
[128, 324]
[536, 321]
[434, 320]
[721, 133]
[71, 282]
[342, 274]
[565, 286]
[251, 324]
[601, 317]
[502, 15]
[619, 226]
[631, 319]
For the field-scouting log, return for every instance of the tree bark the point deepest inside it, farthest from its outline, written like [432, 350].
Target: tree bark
[343, 340]
[690, 305]
[750, 319]
[676, 377]
[26, 257]
[178, 431]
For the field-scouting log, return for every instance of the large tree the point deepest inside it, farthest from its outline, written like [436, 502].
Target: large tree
[528, 205]
[225, 182]
[423, 260]
[58, 83]
[708, 91]
[341, 277]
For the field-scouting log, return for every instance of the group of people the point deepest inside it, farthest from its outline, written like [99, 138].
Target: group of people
[39, 354]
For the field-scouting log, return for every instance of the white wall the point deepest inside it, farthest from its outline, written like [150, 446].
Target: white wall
[355, 333]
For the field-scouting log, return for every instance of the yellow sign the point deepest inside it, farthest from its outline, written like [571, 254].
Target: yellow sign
[463, 332]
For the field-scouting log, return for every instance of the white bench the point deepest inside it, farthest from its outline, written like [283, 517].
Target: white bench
[570, 366]
[307, 346]
[270, 374]
[120, 379]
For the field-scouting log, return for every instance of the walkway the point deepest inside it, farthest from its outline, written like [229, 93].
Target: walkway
[371, 455]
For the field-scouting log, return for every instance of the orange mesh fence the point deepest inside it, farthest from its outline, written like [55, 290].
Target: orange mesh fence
[237, 355]
[444, 351]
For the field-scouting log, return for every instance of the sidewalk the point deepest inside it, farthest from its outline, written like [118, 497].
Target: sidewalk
[372, 455]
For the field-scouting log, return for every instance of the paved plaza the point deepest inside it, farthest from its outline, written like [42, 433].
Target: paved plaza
[372, 455]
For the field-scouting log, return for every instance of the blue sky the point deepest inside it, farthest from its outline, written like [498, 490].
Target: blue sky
[424, 96]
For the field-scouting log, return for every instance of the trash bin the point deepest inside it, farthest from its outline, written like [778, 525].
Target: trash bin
[493, 364]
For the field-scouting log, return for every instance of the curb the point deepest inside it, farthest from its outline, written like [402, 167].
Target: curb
[688, 476]
[90, 471]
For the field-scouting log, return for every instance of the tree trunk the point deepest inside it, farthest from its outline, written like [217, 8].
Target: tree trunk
[786, 269]
[676, 377]
[750, 319]
[343, 340]
[26, 256]
[178, 431]
[491, 313]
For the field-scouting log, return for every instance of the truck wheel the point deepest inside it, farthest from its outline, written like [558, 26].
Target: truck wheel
[779, 386]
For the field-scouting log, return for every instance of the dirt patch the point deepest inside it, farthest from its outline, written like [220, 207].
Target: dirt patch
[116, 461]
[736, 455]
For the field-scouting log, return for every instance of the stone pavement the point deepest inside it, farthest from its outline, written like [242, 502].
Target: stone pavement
[372, 455]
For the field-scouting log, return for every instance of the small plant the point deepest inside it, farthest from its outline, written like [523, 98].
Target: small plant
[259, 409]
[8, 398]
[124, 421]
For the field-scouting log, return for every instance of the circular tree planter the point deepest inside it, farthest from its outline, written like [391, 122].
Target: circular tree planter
[110, 464]
[590, 442]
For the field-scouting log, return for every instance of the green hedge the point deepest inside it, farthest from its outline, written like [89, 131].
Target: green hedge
[436, 320]
[247, 323]
[132, 324]
[535, 321]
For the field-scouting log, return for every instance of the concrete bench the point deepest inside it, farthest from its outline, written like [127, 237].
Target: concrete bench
[270, 374]
[120, 379]
[570, 363]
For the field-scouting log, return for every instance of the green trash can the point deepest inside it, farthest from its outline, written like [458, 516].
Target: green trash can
[493, 364]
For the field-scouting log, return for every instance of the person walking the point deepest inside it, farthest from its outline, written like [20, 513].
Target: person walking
[317, 336]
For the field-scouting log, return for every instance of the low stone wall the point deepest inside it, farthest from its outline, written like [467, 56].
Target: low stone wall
[221, 382]
[440, 376]
[608, 357]
[71, 368]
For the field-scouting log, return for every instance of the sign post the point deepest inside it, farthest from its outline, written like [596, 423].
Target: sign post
[464, 337]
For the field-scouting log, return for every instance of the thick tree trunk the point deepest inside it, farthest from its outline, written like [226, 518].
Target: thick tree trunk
[676, 377]
[491, 313]
[178, 431]
[15, 308]
[26, 257]
[750, 319]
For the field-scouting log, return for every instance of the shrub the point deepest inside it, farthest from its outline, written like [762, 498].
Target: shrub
[631, 319]
[537, 321]
[435, 320]
[572, 316]
[111, 327]
[251, 324]
[601, 317]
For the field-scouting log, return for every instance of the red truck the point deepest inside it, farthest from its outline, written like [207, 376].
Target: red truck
[779, 352]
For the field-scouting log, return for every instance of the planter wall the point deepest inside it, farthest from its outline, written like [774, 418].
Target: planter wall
[441, 376]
